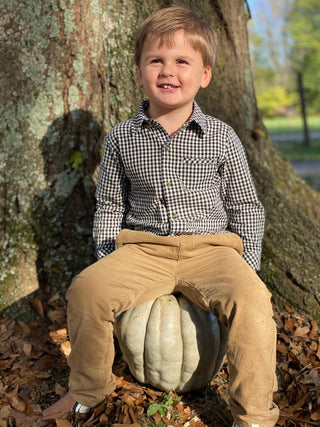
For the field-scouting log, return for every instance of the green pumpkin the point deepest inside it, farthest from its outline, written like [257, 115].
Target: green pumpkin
[171, 343]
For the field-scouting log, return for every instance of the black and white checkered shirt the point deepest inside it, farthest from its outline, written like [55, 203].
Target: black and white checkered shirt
[195, 182]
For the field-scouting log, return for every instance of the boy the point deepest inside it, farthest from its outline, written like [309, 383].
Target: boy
[175, 193]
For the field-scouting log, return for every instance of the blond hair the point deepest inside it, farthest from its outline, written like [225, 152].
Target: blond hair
[162, 25]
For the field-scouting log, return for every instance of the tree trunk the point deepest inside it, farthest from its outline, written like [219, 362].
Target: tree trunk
[68, 76]
[303, 109]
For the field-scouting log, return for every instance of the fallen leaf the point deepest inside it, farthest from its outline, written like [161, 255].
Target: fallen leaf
[282, 348]
[313, 346]
[5, 412]
[37, 305]
[25, 328]
[315, 416]
[66, 348]
[18, 404]
[59, 335]
[126, 425]
[63, 423]
[59, 390]
[301, 331]
[289, 309]
[57, 316]
[289, 324]
[43, 363]
[27, 347]
[314, 333]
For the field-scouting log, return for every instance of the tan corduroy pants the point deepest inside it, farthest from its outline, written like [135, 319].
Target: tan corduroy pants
[207, 269]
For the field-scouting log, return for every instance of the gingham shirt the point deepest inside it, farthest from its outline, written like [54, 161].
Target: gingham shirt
[195, 182]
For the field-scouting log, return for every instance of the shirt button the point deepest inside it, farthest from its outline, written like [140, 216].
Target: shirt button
[169, 184]
[167, 147]
[174, 216]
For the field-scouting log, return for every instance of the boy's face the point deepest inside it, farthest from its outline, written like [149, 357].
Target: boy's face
[172, 75]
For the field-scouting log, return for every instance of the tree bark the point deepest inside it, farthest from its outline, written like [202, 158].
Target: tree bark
[69, 75]
[303, 109]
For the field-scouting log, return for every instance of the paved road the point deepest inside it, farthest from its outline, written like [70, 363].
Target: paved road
[294, 136]
[307, 168]
[302, 168]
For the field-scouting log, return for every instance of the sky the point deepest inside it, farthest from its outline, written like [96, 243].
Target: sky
[267, 18]
[258, 6]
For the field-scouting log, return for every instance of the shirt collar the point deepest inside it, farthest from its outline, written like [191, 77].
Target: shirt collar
[141, 117]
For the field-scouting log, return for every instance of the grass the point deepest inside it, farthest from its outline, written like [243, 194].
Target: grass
[283, 125]
[295, 150]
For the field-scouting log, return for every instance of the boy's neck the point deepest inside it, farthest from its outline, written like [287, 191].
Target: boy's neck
[172, 119]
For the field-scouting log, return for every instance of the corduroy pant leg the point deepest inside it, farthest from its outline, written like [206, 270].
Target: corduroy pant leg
[136, 272]
[212, 274]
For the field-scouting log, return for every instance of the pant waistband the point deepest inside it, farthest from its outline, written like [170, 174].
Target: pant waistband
[227, 239]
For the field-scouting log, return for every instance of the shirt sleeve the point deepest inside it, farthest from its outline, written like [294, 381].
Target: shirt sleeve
[245, 211]
[111, 196]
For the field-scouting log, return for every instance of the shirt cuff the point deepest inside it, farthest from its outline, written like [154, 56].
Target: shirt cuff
[254, 260]
[104, 250]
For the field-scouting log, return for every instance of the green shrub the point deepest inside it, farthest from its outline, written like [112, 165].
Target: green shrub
[276, 101]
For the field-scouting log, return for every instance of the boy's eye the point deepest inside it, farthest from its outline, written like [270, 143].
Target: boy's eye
[155, 61]
[181, 61]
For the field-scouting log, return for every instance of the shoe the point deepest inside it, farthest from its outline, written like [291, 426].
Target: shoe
[80, 409]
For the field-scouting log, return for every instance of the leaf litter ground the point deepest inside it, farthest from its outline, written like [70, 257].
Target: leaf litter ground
[34, 374]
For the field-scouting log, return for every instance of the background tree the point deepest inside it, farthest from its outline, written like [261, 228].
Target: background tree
[303, 24]
[304, 27]
[67, 75]
[274, 81]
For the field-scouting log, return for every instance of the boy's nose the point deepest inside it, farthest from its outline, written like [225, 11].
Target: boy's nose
[167, 70]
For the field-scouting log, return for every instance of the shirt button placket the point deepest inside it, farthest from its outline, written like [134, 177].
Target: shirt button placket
[168, 181]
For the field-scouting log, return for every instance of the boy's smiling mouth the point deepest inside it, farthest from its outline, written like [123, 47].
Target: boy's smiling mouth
[168, 86]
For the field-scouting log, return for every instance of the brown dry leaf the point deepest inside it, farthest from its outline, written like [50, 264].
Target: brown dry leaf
[152, 394]
[5, 412]
[63, 423]
[170, 422]
[127, 398]
[313, 346]
[25, 328]
[54, 299]
[289, 324]
[289, 309]
[59, 390]
[37, 305]
[282, 348]
[100, 408]
[196, 422]
[314, 333]
[66, 348]
[315, 416]
[43, 363]
[57, 316]
[18, 404]
[59, 335]
[126, 419]
[120, 382]
[27, 347]
[301, 331]
[127, 425]
[133, 415]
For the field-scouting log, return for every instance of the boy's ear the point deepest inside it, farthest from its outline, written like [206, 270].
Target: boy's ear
[139, 76]
[206, 77]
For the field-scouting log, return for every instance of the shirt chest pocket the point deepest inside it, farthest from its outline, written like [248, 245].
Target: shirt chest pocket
[199, 173]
